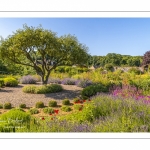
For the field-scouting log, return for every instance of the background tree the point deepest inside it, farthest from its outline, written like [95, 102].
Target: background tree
[146, 58]
[42, 50]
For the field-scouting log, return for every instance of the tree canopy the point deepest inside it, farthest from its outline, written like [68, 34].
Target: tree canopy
[146, 58]
[42, 50]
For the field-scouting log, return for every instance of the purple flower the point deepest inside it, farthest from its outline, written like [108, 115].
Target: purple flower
[68, 81]
[28, 80]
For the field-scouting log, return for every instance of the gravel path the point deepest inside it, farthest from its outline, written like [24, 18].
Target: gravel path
[15, 96]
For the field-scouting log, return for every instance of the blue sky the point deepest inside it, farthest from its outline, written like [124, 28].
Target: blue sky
[126, 36]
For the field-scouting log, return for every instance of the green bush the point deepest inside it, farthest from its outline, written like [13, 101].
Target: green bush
[39, 105]
[52, 103]
[75, 100]
[60, 69]
[15, 115]
[1, 106]
[66, 108]
[1, 82]
[78, 107]
[52, 88]
[66, 102]
[135, 71]
[33, 111]
[7, 106]
[22, 106]
[48, 110]
[10, 81]
[42, 89]
[55, 88]
[109, 67]
[93, 90]
[29, 89]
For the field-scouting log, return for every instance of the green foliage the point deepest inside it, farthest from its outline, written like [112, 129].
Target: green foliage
[1, 106]
[88, 113]
[1, 82]
[135, 71]
[75, 100]
[71, 70]
[48, 110]
[52, 88]
[66, 108]
[33, 111]
[66, 102]
[7, 106]
[16, 116]
[43, 89]
[35, 42]
[22, 106]
[119, 115]
[10, 82]
[39, 104]
[105, 113]
[78, 107]
[115, 60]
[109, 67]
[93, 90]
[29, 89]
[52, 103]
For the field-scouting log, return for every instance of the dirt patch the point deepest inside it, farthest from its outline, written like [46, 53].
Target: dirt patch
[15, 96]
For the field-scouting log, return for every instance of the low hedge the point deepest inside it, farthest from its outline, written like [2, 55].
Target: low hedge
[52, 88]
[93, 90]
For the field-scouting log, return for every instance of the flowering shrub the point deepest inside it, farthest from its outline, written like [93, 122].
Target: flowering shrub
[54, 80]
[126, 91]
[56, 111]
[28, 80]
[83, 83]
[68, 81]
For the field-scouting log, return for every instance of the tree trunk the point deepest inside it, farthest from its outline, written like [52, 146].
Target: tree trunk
[45, 79]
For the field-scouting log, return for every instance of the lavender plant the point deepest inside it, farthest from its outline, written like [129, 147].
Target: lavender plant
[54, 80]
[28, 80]
[68, 81]
[83, 83]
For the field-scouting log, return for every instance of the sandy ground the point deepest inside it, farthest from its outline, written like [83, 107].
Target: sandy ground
[15, 96]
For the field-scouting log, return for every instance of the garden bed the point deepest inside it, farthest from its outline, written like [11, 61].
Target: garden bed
[16, 96]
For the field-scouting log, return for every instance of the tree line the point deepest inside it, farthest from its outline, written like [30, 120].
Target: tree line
[115, 60]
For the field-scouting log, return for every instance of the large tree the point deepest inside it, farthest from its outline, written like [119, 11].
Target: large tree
[42, 50]
[146, 58]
